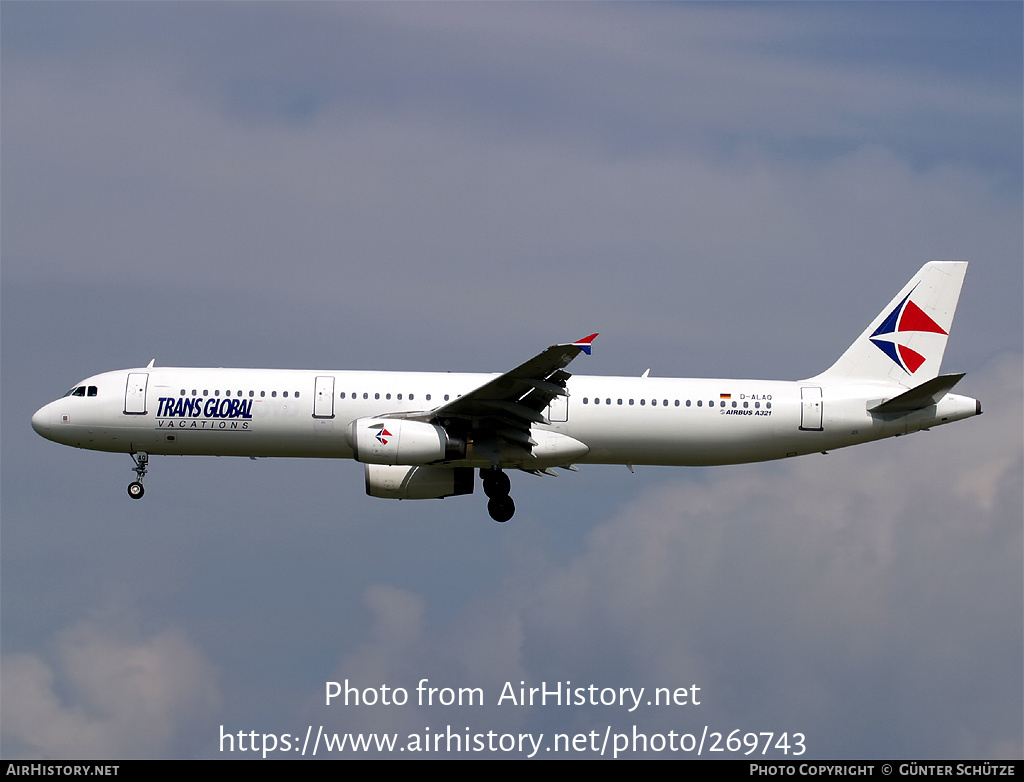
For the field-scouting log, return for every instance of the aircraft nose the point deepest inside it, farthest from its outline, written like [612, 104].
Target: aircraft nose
[41, 420]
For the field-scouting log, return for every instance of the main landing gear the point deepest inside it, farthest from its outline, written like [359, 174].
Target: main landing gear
[135, 488]
[496, 487]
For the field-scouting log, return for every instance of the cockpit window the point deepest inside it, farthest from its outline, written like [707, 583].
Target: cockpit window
[80, 391]
[93, 390]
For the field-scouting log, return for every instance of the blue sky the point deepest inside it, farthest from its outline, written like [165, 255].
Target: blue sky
[726, 190]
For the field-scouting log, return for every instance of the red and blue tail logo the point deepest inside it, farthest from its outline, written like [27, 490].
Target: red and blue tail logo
[907, 317]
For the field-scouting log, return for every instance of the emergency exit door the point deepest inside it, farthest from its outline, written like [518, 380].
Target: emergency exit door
[323, 397]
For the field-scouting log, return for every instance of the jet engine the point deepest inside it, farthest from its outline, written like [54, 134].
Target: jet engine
[401, 441]
[401, 482]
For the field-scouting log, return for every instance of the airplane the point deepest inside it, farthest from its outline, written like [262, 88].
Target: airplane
[423, 435]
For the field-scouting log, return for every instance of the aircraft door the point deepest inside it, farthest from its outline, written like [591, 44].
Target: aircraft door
[135, 393]
[558, 410]
[323, 397]
[810, 409]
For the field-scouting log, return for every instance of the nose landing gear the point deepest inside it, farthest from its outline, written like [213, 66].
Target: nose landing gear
[135, 488]
[496, 486]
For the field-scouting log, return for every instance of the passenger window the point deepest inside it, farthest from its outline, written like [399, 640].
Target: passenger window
[285, 394]
[273, 393]
[296, 394]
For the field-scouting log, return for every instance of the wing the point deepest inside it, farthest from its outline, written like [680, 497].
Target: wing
[509, 404]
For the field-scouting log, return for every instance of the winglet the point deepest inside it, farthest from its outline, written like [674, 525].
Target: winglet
[584, 344]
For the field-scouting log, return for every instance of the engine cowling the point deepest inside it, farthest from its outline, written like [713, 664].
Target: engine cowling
[402, 482]
[396, 441]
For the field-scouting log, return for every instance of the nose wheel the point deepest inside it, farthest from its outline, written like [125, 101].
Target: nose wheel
[135, 488]
[496, 486]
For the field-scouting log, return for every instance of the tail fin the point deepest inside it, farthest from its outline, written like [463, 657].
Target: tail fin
[904, 344]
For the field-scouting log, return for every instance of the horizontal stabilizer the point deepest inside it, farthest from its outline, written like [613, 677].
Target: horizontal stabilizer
[925, 395]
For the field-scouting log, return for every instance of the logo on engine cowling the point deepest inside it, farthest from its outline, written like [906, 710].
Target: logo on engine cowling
[382, 435]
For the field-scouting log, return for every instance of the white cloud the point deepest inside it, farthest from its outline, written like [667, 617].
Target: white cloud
[106, 697]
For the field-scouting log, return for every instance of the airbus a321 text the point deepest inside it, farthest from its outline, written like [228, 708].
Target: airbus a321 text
[422, 435]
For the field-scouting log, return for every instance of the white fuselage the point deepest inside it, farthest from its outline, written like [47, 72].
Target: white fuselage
[422, 435]
[620, 420]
